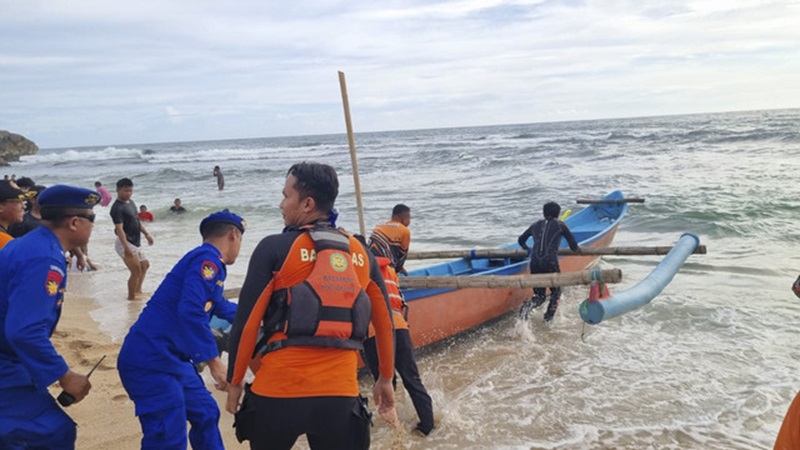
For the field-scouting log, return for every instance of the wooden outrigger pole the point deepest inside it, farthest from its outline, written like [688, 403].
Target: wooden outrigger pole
[523, 254]
[353, 157]
[584, 201]
[499, 281]
[546, 280]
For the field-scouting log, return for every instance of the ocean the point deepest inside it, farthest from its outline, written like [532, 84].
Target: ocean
[711, 363]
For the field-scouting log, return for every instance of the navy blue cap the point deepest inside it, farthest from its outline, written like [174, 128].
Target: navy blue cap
[226, 217]
[62, 196]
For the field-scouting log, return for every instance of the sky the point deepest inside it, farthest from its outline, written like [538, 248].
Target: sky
[99, 72]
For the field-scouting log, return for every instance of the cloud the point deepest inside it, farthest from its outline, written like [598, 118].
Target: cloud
[98, 72]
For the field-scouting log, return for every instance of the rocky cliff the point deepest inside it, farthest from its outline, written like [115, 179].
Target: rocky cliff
[12, 146]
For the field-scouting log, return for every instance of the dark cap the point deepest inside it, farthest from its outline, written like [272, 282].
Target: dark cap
[224, 216]
[35, 191]
[68, 197]
[10, 191]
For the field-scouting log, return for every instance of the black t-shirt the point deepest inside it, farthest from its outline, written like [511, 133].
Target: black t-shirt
[125, 213]
[28, 224]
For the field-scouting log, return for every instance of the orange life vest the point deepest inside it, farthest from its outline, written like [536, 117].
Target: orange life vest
[392, 283]
[5, 238]
[327, 309]
[396, 301]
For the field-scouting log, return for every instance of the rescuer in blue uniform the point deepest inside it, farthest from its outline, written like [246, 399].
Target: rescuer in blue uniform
[33, 277]
[157, 360]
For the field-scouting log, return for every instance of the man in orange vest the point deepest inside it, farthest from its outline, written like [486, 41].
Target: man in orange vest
[389, 243]
[391, 239]
[311, 291]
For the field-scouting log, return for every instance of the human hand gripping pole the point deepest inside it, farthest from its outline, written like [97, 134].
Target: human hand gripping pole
[65, 398]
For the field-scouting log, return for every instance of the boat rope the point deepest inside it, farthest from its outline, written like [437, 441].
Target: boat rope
[595, 277]
[595, 274]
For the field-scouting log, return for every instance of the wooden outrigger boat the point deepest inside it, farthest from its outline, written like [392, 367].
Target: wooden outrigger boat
[438, 313]
[435, 314]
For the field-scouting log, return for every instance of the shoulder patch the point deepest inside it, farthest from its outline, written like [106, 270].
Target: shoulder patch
[209, 270]
[53, 282]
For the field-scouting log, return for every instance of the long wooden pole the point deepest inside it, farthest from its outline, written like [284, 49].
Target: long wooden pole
[511, 281]
[353, 158]
[498, 281]
[583, 201]
[521, 254]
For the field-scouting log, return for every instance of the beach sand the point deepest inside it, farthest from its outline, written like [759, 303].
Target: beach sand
[106, 417]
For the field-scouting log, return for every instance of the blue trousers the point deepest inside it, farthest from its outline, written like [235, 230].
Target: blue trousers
[165, 402]
[30, 419]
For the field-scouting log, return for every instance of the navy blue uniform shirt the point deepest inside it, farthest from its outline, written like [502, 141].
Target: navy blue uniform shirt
[33, 277]
[173, 328]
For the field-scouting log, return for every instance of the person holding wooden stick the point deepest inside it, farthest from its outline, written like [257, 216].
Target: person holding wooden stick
[547, 234]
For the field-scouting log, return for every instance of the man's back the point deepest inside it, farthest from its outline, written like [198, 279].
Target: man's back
[391, 240]
[164, 328]
[104, 195]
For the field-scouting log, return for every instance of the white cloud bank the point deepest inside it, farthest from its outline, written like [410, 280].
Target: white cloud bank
[96, 72]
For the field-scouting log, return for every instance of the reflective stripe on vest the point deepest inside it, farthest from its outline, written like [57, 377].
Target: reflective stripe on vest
[329, 308]
[392, 283]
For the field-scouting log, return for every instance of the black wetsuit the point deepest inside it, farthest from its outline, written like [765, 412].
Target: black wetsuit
[547, 234]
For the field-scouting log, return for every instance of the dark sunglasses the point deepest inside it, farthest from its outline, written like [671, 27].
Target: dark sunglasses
[89, 217]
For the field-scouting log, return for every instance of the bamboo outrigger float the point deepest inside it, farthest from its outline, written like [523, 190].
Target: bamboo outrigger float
[594, 311]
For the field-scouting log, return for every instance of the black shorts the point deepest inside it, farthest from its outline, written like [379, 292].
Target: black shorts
[330, 423]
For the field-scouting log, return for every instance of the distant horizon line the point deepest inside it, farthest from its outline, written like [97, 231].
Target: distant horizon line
[417, 129]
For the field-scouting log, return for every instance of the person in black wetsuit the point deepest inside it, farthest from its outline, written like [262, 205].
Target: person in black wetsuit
[547, 234]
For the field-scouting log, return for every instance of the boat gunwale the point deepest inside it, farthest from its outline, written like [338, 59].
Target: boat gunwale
[513, 267]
